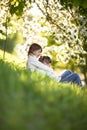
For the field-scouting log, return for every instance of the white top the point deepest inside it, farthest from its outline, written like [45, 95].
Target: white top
[33, 64]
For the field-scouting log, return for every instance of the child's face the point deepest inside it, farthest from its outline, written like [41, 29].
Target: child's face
[37, 53]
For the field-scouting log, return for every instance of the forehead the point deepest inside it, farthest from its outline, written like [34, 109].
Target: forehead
[39, 50]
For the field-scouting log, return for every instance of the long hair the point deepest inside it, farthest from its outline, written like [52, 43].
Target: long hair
[33, 47]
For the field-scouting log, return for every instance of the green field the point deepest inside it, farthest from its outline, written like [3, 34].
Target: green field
[30, 101]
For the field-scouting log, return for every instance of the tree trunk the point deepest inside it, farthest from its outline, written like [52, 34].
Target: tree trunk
[5, 43]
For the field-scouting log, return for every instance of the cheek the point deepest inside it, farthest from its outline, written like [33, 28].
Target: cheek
[39, 53]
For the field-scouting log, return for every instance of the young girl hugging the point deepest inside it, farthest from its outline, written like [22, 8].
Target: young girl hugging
[43, 64]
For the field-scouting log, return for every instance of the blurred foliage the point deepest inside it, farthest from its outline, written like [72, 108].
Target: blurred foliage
[13, 60]
[12, 40]
[17, 6]
[80, 4]
[30, 101]
[51, 40]
[76, 3]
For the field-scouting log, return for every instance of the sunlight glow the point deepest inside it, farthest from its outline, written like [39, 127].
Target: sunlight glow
[35, 11]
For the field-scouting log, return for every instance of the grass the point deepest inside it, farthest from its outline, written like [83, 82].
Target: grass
[9, 58]
[30, 101]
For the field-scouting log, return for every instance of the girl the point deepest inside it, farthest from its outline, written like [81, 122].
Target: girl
[45, 60]
[34, 64]
[67, 76]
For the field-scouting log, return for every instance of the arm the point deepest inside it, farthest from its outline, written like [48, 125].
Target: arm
[40, 65]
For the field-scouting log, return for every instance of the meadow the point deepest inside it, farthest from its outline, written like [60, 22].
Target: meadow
[31, 101]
